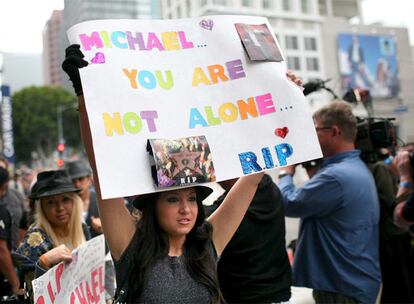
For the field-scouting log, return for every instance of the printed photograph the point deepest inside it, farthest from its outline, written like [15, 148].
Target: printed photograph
[259, 42]
[182, 161]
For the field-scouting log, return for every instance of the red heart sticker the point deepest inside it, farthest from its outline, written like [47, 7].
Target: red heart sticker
[282, 132]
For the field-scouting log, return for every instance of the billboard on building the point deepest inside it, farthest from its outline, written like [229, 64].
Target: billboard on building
[369, 62]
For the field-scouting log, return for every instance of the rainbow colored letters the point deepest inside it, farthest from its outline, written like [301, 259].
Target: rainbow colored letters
[165, 41]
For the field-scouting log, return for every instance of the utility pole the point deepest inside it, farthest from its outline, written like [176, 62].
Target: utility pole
[61, 139]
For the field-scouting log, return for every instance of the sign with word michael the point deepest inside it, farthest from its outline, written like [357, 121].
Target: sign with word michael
[81, 281]
[214, 86]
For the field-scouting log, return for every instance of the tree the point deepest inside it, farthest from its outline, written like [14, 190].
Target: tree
[35, 121]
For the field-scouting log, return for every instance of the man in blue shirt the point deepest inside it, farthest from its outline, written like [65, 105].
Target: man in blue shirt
[337, 248]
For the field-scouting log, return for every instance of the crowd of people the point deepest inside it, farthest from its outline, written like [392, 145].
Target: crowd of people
[39, 229]
[354, 243]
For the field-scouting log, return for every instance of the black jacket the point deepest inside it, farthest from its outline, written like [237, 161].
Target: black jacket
[254, 266]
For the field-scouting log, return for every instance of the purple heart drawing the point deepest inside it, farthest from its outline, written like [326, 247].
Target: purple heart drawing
[207, 24]
[99, 58]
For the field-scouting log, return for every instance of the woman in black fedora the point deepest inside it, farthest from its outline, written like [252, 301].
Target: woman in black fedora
[58, 227]
[169, 255]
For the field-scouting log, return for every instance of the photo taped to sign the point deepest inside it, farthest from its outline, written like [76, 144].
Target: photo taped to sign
[258, 42]
[181, 161]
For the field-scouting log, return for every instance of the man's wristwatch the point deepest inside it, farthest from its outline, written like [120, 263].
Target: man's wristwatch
[283, 173]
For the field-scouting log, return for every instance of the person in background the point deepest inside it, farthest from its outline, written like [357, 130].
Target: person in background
[403, 213]
[58, 227]
[403, 164]
[9, 281]
[81, 176]
[392, 162]
[14, 182]
[254, 267]
[27, 179]
[337, 248]
[394, 242]
[16, 206]
[403, 161]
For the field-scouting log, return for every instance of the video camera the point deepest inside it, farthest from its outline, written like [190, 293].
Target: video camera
[372, 133]
[317, 85]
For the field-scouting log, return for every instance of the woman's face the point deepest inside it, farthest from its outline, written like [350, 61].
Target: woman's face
[177, 211]
[58, 209]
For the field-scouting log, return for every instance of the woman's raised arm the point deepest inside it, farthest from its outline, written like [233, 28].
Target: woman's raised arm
[117, 223]
[227, 218]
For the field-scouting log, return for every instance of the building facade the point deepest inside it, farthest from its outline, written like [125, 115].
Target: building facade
[76, 11]
[309, 32]
[297, 25]
[52, 46]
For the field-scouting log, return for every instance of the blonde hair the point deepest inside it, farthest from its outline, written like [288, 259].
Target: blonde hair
[75, 237]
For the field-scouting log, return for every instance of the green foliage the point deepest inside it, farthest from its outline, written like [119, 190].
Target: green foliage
[35, 121]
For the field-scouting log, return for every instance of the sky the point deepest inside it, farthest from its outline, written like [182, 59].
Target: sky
[22, 21]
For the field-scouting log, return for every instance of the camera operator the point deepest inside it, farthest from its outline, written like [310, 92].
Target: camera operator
[374, 134]
[339, 213]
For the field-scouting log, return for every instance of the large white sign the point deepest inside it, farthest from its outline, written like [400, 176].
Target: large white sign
[81, 281]
[189, 78]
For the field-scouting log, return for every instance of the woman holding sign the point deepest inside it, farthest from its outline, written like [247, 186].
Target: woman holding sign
[58, 227]
[169, 255]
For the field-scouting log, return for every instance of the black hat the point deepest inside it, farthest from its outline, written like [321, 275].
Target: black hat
[78, 168]
[52, 183]
[202, 193]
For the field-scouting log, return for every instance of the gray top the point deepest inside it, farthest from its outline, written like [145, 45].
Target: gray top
[170, 282]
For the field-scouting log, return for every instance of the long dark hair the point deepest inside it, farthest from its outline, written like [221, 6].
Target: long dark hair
[152, 245]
